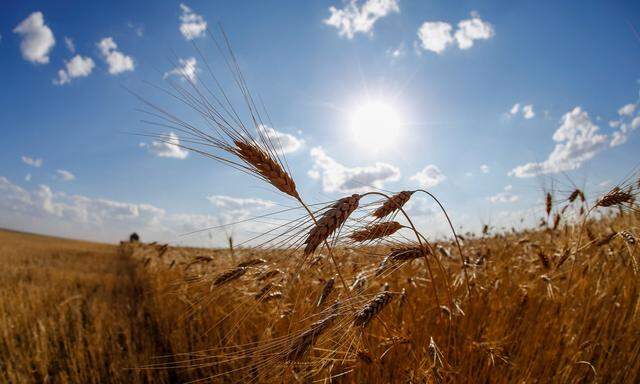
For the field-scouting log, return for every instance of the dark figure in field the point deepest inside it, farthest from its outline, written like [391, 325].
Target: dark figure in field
[134, 238]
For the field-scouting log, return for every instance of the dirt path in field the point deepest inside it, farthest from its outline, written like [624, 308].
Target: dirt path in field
[73, 311]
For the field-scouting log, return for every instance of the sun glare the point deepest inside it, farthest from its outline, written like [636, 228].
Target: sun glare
[375, 125]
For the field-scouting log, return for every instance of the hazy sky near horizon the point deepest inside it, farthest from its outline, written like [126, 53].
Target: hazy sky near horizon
[485, 103]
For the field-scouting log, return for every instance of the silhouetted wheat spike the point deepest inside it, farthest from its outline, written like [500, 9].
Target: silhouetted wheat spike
[548, 203]
[229, 276]
[575, 194]
[330, 221]
[376, 231]
[372, 308]
[392, 204]
[265, 166]
[304, 342]
[615, 197]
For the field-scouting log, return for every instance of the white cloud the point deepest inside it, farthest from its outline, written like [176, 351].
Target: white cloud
[435, 36]
[27, 177]
[429, 176]
[192, 25]
[527, 112]
[354, 19]
[65, 175]
[623, 125]
[70, 44]
[472, 29]
[339, 178]
[187, 68]
[577, 141]
[168, 147]
[283, 142]
[78, 66]
[37, 38]
[484, 168]
[34, 162]
[627, 110]
[239, 204]
[504, 197]
[118, 62]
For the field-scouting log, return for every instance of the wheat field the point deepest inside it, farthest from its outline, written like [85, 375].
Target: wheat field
[81, 312]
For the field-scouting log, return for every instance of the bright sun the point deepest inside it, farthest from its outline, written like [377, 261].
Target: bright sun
[375, 125]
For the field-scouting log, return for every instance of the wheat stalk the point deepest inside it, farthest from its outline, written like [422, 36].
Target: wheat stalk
[364, 316]
[264, 165]
[615, 197]
[303, 342]
[392, 204]
[330, 221]
[229, 276]
[376, 231]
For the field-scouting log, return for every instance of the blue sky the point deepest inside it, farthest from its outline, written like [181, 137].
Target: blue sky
[488, 103]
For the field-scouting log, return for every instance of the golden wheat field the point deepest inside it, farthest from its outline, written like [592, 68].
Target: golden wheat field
[532, 311]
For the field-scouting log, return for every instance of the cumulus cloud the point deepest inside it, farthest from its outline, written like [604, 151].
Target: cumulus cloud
[429, 177]
[186, 69]
[526, 111]
[627, 110]
[37, 38]
[504, 197]
[336, 177]
[577, 140]
[354, 19]
[78, 66]
[168, 147]
[34, 162]
[472, 29]
[192, 25]
[65, 175]
[624, 125]
[436, 36]
[284, 142]
[118, 62]
[484, 168]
